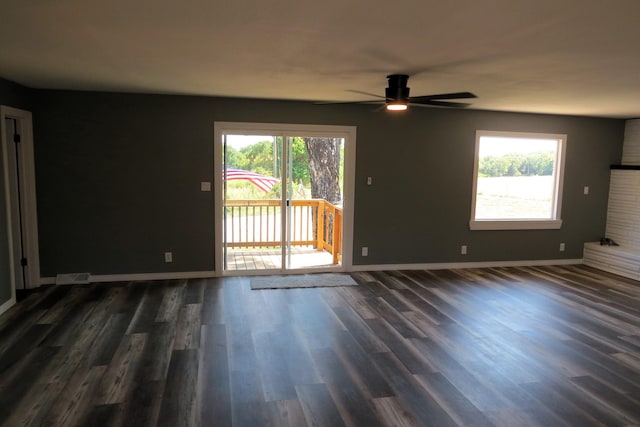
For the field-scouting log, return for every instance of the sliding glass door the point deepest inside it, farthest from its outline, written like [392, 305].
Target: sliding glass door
[282, 201]
[314, 201]
[252, 215]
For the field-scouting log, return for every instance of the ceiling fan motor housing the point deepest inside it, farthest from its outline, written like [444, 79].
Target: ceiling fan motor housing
[397, 90]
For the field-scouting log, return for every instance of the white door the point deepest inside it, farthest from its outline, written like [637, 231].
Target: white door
[19, 189]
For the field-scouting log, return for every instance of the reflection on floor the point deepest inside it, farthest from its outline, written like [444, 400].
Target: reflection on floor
[264, 259]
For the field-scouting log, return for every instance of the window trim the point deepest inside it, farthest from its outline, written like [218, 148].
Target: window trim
[521, 223]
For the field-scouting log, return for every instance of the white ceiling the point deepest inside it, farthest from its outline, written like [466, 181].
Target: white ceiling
[577, 57]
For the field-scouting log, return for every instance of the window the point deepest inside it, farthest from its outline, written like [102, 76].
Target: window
[517, 181]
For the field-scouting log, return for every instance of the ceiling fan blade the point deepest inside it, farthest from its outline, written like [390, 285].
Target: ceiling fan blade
[454, 95]
[347, 102]
[427, 103]
[334, 102]
[365, 93]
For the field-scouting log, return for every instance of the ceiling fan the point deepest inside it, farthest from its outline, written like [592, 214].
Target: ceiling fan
[397, 96]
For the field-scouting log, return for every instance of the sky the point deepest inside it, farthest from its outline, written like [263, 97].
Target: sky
[499, 146]
[240, 141]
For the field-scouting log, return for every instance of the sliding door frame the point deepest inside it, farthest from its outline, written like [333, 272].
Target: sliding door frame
[283, 130]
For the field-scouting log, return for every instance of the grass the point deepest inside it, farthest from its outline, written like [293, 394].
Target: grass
[514, 197]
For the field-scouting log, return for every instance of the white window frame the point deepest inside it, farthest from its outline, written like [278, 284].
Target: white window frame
[555, 222]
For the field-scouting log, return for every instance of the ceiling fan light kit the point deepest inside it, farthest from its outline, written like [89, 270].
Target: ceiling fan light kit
[397, 96]
[396, 106]
[397, 93]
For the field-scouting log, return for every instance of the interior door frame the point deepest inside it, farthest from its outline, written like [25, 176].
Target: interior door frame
[283, 130]
[27, 182]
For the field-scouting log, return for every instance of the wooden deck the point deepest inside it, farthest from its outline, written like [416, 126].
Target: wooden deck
[239, 259]
[254, 228]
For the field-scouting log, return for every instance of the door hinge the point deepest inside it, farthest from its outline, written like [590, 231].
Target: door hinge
[23, 262]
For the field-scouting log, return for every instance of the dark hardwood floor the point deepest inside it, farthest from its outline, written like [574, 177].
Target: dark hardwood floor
[536, 346]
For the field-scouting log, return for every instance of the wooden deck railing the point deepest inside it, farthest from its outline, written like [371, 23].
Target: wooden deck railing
[257, 224]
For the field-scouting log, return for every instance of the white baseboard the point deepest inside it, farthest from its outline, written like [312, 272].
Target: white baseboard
[140, 277]
[379, 267]
[458, 265]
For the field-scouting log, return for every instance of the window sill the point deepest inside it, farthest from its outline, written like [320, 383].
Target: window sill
[554, 224]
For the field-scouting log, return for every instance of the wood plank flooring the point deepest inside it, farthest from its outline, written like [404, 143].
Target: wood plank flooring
[536, 346]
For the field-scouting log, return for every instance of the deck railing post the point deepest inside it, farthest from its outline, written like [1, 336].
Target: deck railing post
[336, 248]
[319, 229]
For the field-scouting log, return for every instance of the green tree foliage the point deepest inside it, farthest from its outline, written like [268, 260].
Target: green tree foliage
[517, 164]
[315, 164]
[256, 158]
[259, 158]
[233, 158]
[300, 162]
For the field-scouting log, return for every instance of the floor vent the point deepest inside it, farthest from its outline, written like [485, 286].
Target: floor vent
[73, 278]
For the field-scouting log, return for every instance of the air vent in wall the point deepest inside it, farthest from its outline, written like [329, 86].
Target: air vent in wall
[73, 278]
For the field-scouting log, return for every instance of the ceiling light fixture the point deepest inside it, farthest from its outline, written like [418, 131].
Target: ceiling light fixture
[396, 106]
[397, 93]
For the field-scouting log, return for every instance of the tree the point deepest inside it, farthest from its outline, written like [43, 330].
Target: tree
[233, 157]
[257, 158]
[300, 161]
[315, 161]
[517, 164]
[324, 168]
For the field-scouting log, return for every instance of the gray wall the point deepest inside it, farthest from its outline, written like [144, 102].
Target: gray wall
[13, 95]
[118, 180]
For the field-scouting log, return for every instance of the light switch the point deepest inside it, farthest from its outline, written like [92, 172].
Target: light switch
[369, 180]
[586, 190]
[205, 186]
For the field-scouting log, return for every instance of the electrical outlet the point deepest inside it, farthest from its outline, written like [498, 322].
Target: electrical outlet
[463, 249]
[168, 257]
[365, 251]
[561, 247]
